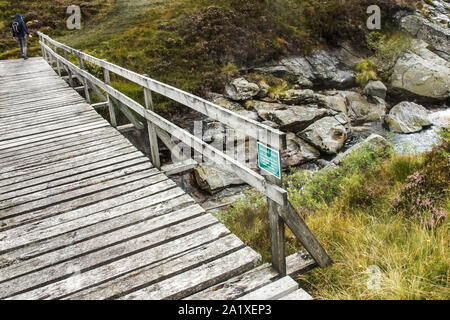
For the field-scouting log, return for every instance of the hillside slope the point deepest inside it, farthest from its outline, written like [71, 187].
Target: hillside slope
[196, 44]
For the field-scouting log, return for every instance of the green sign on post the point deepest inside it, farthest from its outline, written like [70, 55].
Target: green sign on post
[269, 160]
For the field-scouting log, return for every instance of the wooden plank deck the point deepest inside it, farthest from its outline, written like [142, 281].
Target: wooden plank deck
[84, 214]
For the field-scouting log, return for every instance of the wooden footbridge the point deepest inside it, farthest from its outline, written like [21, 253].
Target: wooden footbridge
[85, 215]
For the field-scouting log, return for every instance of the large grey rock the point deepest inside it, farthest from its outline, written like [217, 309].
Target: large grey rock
[327, 134]
[298, 151]
[360, 109]
[380, 144]
[225, 102]
[302, 97]
[289, 118]
[421, 74]
[214, 131]
[438, 37]
[327, 68]
[407, 117]
[212, 179]
[252, 115]
[309, 97]
[327, 71]
[240, 89]
[376, 89]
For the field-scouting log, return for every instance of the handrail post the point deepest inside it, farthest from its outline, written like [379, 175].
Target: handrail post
[42, 48]
[152, 136]
[276, 230]
[57, 61]
[86, 89]
[69, 72]
[112, 113]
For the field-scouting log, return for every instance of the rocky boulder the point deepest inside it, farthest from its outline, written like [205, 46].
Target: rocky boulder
[422, 74]
[298, 151]
[438, 37]
[407, 117]
[309, 97]
[375, 89]
[327, 72]
[225, 102]
[212, 179]
[322, 68]
[214, 131]
[240, 89]
[289, 118]
[362, 109]
[327, 134]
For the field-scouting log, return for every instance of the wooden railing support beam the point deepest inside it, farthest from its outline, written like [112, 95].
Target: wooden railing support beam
[152, 137]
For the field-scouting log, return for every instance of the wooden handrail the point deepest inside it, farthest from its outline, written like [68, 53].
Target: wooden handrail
[280, 210]
[267, 135]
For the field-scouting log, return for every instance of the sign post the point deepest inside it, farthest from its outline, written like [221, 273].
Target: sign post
[269, 162]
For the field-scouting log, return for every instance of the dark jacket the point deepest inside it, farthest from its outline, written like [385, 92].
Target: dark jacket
[19, 24]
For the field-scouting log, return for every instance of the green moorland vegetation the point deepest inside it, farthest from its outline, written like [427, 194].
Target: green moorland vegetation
[377, 208]
[195, 45]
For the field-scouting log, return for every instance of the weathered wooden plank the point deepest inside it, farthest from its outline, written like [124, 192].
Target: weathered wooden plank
[62, 233]
[179, 167]
[26, 125]
[99, 105]
[69, 175]
[178, 264]
[50, 85]
[153, 222]
[35, 102]
[56, 150]
[236, 287]
[31, 84]
[66, 111]
[45, 103]
[56, 133]
[49, 168]
[199, 278]
[106, 255]
[299, 294]
[304, 234]
[60, 140]
[90, 177]
[151, 131]
[153, 258]
[126, 128]
[122, 185]
[276, 231]
[60, 193]
[58, 156]
[129, 115]
[27, 203]
[92, 118]
[273, 291]
[70, 233]
[36, 148]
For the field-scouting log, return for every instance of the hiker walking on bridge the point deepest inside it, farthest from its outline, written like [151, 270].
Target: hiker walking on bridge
[19, 33]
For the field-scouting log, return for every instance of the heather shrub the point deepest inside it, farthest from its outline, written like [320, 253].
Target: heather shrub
[425, 191]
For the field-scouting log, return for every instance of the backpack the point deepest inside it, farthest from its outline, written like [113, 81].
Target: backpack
[17, 27]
